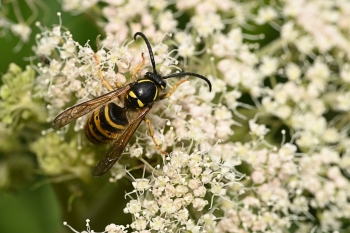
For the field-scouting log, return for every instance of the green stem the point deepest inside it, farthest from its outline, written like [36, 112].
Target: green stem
[273, 81]
[270, 48]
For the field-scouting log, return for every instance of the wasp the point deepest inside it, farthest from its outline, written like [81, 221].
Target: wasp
[110, 122]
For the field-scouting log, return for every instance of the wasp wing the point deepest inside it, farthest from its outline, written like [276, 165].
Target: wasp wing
[115, 152]
[79, 110]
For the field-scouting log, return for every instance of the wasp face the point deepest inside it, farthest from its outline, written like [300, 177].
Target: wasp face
[157, 79]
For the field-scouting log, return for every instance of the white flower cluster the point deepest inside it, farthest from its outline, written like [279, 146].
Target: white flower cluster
[266, 151]
[163, 201]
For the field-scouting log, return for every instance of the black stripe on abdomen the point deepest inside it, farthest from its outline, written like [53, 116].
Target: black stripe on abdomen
[113, 118]
[93, 130]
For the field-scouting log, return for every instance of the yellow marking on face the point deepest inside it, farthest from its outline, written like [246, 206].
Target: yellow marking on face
[140, 103]
[132, 94]
[110, 122]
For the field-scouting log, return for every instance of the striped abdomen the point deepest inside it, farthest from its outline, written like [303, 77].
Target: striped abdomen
[106, 123]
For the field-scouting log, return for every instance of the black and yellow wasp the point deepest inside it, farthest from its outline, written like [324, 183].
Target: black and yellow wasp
[112, 123]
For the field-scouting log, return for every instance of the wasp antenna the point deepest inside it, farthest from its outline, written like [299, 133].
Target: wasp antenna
[189, 74]
[149, 49]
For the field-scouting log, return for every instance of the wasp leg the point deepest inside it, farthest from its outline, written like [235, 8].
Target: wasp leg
[166, 95]
[152, 136]
[138, 68]
[118, 85]
[104, 82]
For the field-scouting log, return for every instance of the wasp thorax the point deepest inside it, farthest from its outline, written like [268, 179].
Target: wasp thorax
[143, 93]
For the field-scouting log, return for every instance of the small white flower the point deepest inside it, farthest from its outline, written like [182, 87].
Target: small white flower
[46, 45]
[231, 98]
[133, 207]
[141, 184]
[199, 203]
[287, 151]
[258, 177]
[307, 140]
[305, 44]
[206, 176]
[188, 198]
[68, 49]
[218, 189]
[196, 170]
[186, 49]
[181, 190]
[55, 67]
[251, 201]
[112, 228]
[343, 101]
[22, 30]
[139, 224]
[256, 129]
[329, 156]
[283, 112]
[194, 183]
[345, 72]
[288, 33]
[200, 191]
[266, 14]
[170, 190]
[209, 220]
[318, 72]
[161, 181]
[167, 206]
[136, 151]
[167, 23]
[269, 66]
[293, 72]
[331, 135]
[222, 113]
[157, 223]
[207, 24]
[78, 5]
